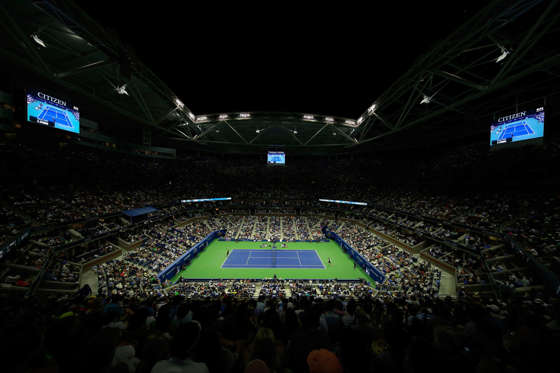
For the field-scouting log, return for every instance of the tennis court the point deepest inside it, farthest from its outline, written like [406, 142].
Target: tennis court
[519, 129]
[249, 260]
[51, 114]
[240, 258]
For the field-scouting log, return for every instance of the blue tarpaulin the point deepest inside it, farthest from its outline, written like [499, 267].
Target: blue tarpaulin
[139, 212]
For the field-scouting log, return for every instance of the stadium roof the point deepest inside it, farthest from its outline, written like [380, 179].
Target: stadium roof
[507, 44]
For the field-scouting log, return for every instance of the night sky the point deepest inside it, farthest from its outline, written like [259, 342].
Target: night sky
[329, 57]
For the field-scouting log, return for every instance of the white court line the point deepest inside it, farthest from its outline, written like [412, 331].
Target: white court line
[225, 260]
[68, 120]
[321, 260]
[44, 113]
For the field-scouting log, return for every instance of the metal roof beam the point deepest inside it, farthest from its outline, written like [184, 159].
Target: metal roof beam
[529, 40]
[315, 134]
[12, 28]
[85, 68]
[236, 132]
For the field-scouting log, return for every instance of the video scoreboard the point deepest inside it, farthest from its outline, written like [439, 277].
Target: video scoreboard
[521, 126]
[52, 111]
[276, 158]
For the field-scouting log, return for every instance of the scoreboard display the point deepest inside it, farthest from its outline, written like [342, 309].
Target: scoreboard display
[276, 158]
[52, 111]
[522, 126]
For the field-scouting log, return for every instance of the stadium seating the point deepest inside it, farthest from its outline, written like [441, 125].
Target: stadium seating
[421, 240]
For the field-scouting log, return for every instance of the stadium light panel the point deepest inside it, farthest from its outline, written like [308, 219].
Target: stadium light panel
[38, 40]
[192, 116]
[329, 119]
[360, 120]
[205, 200]
[244, 116]
[372, 108]
[350, 122]
[201, 119]
[309, 117]
[344, 202]
[223, 116]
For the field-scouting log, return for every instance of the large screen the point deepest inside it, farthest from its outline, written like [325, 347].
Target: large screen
[525, 125]
[276, 158]
[52, 112]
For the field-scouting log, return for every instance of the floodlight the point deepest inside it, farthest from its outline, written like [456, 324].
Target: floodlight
[310, 117]
[425, 100]
[504, 54]
[294, 132]
[372, 108]
[350, 122]
[244, 115]
[201, 118]
[223, 116]
[192, 116]
[360, 120]
[38, 40]
[121, 90]
[179, 103]
[329, 119]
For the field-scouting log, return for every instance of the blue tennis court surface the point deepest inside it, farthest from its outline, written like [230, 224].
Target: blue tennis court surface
[521, 129]
[240, 258]
[55, 115]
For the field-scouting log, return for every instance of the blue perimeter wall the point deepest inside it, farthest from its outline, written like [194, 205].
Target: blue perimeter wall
[175, 267]
[372, 271]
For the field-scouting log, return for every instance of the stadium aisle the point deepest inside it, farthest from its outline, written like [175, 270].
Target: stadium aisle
[447, 285]
[90, 277]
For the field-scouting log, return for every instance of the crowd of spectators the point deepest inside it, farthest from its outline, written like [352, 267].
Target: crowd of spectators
[274, 228]
[247, 229]
[166, 244]
[63, 192]
[228, 334]
[273, 289]
[119, 277]
[63, 271]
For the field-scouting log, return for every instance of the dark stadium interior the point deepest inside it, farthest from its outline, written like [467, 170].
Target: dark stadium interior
[438, 247]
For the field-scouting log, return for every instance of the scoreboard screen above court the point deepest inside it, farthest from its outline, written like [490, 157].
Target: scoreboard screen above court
[51, 111]
[522, 126]
[276, 158]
